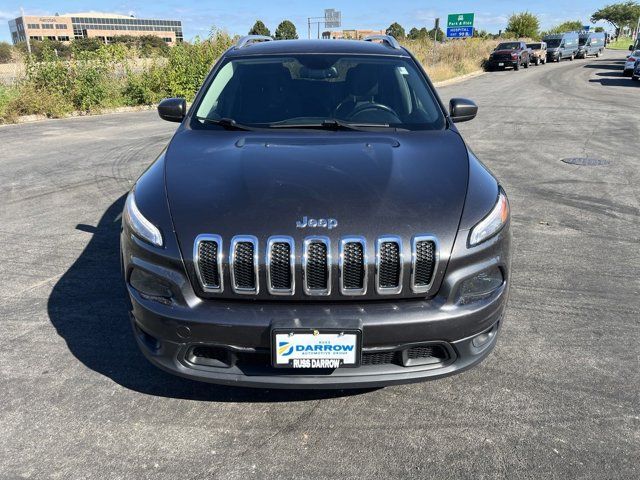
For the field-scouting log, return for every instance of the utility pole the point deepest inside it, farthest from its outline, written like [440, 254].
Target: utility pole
[25, 31]
[435, 39]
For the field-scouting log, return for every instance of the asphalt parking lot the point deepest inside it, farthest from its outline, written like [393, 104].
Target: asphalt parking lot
[558, 398]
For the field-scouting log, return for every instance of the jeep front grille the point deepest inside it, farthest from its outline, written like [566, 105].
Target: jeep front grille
[315, 264]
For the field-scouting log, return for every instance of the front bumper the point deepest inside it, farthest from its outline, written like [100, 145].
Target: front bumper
[239, 331]
[492, 63]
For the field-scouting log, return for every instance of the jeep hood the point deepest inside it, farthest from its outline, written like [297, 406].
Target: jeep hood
[261, 183]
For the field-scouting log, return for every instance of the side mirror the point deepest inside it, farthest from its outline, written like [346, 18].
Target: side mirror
[462, 110]
[631, 48]
[173, 109]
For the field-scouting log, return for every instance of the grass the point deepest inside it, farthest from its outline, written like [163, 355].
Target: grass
[107, 78]
[621, 44]
[452, 59]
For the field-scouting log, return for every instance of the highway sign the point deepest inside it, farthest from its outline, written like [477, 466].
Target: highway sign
[332, 18]
[460, 20]
[459, 32]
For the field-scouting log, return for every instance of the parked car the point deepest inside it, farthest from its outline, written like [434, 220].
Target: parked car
[630, 63]
[316, 221]
[509, 54]
[561, 46]
[636, 71]
[590, 44]
[538, 52]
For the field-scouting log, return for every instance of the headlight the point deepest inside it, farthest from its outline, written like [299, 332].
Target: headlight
[142, 227]
[492, 223]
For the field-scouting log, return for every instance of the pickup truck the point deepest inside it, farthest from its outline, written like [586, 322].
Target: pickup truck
[538, 52]
[509, 54]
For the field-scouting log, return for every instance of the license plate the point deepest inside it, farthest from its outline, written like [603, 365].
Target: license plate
[501, 64]
[316, 348]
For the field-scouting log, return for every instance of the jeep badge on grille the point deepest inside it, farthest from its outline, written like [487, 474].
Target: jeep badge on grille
[329, 223]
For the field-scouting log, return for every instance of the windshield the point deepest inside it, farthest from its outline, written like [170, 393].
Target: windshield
[534, 46]
[553, 42]
[309, 90]
[508, 46]
[583, 40]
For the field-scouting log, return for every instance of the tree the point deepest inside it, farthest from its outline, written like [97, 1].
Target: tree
[599, 29]
[260, 28]
[439, 34]
[619, 15]
[568, 26]
[415, 34]
[6, 52]
[286, 31]
[523, 24]
[90, 44]
[396, 30]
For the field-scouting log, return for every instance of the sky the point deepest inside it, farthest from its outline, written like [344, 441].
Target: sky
[237, 16]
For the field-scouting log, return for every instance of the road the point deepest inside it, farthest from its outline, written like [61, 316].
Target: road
[558, 398]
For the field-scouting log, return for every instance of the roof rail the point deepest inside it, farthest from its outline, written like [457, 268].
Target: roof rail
[249, 39]
[388, 39]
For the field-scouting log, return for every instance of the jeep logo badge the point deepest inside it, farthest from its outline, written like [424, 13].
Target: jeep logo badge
[329, 223]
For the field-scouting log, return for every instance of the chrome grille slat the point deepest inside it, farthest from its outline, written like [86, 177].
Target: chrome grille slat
[389, 265]
[316, 266]
[281, 266]
[424, 263]
[207, 261]
[353, 266]
[244, 264]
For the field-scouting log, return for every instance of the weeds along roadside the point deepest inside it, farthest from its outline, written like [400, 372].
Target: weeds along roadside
[114, 75]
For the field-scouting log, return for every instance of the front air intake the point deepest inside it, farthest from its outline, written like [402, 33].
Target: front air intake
[244, 265]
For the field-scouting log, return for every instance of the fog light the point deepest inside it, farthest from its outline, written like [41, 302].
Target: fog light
[481, 286]
[482, 339]
[149, 285]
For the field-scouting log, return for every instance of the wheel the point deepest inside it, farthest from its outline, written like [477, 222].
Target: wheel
[572, 57]
[516, 67]
[635, 79]
[544, 60]
[598, 54]
[559, 58]
[526, 64]
[537, 61]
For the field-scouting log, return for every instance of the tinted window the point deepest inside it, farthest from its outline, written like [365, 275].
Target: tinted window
[268, 91]
[508, 46]
[553, 42]
[534, 46]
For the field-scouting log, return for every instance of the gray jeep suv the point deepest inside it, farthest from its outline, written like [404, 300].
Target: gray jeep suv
[316, 221]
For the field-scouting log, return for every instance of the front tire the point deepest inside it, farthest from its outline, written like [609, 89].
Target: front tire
[572, 57]
[526, 64]
[516, 67]
[537, 61]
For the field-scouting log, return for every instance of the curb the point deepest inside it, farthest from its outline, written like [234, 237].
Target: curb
[460, 79]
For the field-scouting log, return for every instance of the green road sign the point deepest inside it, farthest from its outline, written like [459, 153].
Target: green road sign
[460, 20]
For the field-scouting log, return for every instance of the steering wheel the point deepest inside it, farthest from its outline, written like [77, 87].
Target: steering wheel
[374, 106]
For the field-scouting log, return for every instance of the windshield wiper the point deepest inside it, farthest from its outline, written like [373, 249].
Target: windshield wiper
[227, 123]
[332, 124]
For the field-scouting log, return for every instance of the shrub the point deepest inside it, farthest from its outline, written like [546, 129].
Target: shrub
[6, 52]
[189, 64]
